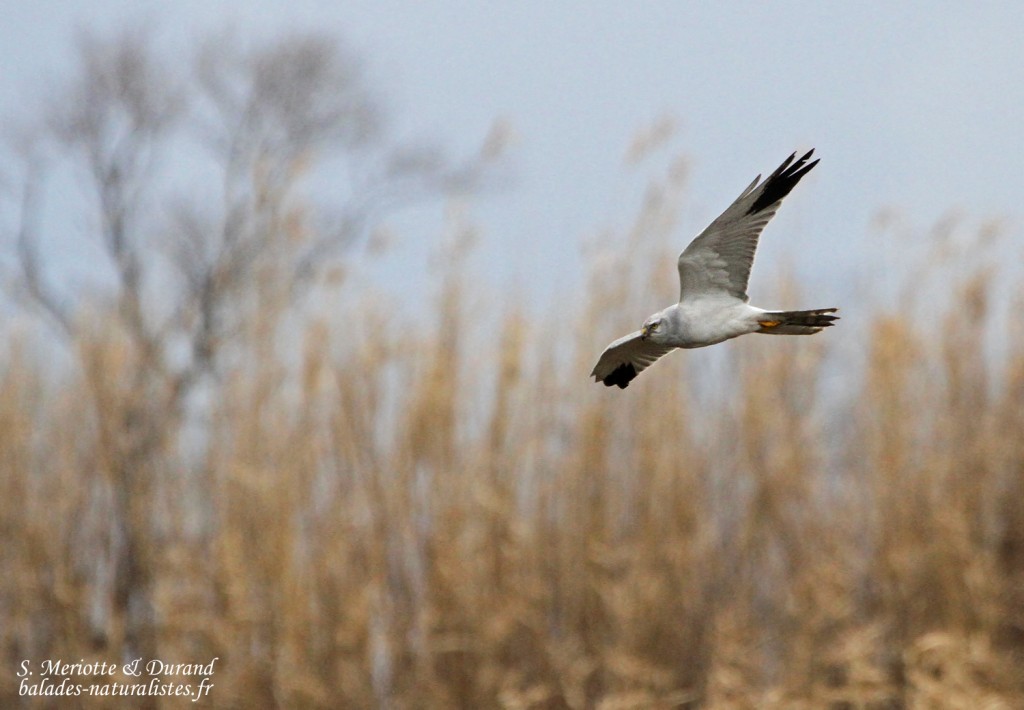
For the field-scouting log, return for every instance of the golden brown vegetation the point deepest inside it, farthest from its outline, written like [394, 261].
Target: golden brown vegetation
[396, 524]
[411, 517]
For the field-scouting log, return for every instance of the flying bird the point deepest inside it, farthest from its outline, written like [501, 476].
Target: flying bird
[713, 272]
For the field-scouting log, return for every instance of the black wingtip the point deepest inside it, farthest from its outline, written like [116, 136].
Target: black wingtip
[621, 376]
[781, 182]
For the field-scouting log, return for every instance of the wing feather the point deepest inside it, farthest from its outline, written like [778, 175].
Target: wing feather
[626, 358]
[719, 259]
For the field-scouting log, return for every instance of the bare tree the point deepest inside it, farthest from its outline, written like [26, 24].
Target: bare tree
[266, 119]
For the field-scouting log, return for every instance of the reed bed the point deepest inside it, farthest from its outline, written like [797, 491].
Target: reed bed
[451, 515]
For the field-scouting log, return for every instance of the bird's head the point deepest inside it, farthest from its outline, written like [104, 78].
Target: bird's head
[651, 328]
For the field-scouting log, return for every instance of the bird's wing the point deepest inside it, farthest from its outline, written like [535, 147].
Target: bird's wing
[719, 259]
[626, 358]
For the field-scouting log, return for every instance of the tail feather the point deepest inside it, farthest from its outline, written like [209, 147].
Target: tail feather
[796, 322]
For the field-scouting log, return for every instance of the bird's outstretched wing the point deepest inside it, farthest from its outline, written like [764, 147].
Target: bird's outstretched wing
[626, 358]
[719, 259]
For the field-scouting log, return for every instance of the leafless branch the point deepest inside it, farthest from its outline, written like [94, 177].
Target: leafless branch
[32, 279]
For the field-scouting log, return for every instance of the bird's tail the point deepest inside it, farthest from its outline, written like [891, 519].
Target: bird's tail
[796, 322]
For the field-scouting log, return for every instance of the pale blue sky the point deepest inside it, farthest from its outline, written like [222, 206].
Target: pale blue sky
[912, 105]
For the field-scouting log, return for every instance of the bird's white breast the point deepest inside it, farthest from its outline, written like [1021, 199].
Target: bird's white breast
[706, 321]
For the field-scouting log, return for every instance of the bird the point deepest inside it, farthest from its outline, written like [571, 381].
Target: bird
[713, 273]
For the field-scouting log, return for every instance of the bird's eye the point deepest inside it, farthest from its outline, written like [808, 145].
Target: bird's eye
[654, 325]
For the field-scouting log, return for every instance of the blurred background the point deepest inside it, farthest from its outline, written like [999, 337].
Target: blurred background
[299, 303]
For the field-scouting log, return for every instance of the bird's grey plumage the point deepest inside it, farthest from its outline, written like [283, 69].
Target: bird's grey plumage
[713, 274]
[721, 256]
[632, 354]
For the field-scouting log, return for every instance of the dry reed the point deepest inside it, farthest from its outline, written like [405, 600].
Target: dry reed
[408, 519]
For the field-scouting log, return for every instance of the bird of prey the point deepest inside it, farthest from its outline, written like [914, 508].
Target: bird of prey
[713, 274]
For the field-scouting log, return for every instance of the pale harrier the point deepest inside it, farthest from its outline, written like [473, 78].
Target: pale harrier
[713, 274]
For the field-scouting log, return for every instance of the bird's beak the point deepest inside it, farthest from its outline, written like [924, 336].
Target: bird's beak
[643, 333]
